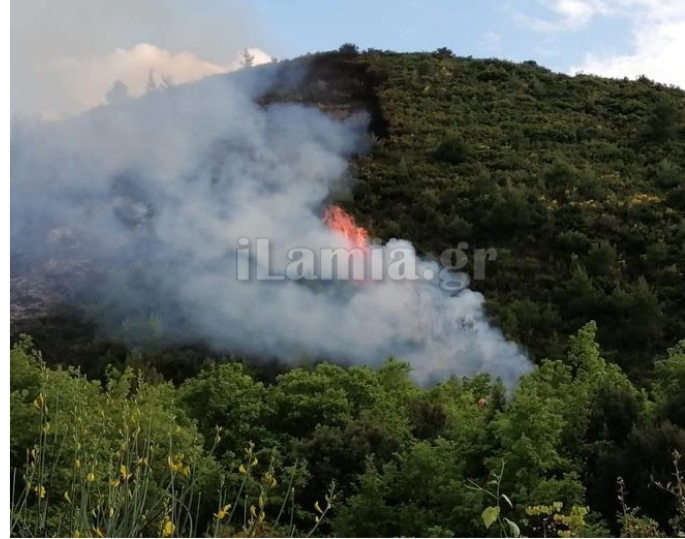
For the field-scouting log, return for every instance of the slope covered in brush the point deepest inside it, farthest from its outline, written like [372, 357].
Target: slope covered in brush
[578, 183]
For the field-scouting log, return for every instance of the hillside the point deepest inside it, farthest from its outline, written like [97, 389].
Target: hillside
[574, 185]
[576, 182]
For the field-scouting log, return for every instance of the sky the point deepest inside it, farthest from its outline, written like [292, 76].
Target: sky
[482, 28]
[66, 55]
[613, 37]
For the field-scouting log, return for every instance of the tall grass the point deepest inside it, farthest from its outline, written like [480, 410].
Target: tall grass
[113, 478]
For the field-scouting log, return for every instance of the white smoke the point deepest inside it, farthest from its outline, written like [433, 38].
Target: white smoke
[153, 195]
[85, 82]
[66, 55]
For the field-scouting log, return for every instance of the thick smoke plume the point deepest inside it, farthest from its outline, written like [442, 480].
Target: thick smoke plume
[145, 202]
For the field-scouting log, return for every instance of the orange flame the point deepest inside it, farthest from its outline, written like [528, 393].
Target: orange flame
[341, 222]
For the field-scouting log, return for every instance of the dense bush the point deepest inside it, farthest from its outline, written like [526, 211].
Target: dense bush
[365, 448]
[561, 175]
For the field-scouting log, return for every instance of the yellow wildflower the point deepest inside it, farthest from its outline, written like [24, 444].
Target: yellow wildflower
[38, 402]
[98, 532]
[90, 477]
[223, 512]
[176, 465]
[168, 528]
[66, 497]
[40, 491]
[269, 479]
[317, 507]
[242, 469]
[123, 471]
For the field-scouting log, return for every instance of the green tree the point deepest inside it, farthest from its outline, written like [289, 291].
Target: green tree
[224, 396]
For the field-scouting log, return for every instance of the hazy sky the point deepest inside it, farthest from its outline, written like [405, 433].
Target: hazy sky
[66, 55]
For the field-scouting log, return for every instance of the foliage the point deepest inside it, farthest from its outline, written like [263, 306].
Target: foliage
[576, 182]
[139, 458]
[125, 462]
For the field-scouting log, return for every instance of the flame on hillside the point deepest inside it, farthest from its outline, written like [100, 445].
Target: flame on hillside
[339, 221]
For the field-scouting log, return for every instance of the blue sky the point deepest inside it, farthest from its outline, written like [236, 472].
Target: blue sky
[484, 28]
